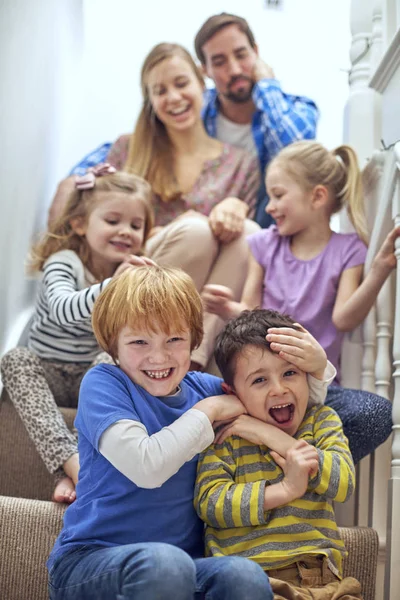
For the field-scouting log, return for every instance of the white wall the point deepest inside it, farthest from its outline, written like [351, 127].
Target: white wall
[70, 80]
[35, 61]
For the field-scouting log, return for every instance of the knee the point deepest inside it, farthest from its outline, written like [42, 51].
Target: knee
[243, 578]
[165, 571]
[196, 231]
[250, 227]
[382, 418]
[16, 361]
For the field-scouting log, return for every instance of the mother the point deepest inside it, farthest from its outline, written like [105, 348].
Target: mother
[204, 190]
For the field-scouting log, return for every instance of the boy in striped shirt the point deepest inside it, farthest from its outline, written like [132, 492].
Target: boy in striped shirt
[268, 496]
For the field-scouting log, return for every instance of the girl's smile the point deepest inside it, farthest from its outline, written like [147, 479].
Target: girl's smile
[114, 229]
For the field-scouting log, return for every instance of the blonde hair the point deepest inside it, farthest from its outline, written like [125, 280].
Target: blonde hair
[61, 235]
[148, 299]
[311, 164]
[150, 151]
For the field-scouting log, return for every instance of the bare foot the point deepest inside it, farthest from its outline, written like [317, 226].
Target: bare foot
[71, 467]
[65, 491]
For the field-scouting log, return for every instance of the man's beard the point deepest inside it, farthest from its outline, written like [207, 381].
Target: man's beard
[241, 96]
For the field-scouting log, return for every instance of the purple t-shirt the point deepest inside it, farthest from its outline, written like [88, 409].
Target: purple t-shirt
[306, 289]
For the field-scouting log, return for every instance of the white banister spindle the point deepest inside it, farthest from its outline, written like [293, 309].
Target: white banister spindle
[383, 373]
[361, 29]
[391, 20]
[369, 350]
[392, 580]
[360, 108]
[364, 104]
[384, 326]
[377, 33]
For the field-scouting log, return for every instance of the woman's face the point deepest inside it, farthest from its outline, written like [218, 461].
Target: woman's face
[176, 94]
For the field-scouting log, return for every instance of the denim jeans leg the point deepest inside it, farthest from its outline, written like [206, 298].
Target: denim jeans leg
[366, 418]
[151, 571]
[231, 578]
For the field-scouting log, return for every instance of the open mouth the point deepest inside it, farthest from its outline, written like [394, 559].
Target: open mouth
[180, 111]
[282, 413]
[159, 375]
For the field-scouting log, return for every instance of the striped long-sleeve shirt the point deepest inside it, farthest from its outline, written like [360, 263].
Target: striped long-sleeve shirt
[229, 497]
[61, 329]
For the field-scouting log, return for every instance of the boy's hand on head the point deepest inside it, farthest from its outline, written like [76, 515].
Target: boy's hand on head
[301, 462]
[299, 348]
[133, 261]
[221, 408]
[218, 300]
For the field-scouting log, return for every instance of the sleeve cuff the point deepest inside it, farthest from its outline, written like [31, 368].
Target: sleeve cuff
[318, 387]
[206, 431]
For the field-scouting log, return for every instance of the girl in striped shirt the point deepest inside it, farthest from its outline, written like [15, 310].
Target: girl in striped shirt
[100, 234]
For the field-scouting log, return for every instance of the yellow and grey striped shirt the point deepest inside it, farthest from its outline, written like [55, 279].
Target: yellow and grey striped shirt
[229, 497]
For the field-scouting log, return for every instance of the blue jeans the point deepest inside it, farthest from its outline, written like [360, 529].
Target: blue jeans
[154, 571]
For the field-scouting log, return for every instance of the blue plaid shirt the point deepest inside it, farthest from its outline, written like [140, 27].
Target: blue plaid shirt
[95, 157]
[279, 119]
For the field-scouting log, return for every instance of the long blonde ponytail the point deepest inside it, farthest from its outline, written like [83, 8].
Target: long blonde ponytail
[312, 164]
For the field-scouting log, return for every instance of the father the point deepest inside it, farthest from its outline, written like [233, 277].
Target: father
[246, 108]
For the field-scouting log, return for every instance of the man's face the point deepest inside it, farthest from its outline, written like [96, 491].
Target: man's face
[272, 389]
[230, 62]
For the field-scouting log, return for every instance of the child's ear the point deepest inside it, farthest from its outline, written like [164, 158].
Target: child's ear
[228, 389]
[78, 225]
[320, 196]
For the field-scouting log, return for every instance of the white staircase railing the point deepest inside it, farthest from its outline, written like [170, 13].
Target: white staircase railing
[392, 578]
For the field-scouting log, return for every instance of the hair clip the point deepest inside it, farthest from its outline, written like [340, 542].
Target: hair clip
[87, 181]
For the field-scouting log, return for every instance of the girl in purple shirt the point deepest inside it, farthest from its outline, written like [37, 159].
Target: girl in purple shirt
[301, 267]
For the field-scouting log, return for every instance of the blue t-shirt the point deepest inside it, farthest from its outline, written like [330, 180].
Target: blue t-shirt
[110, 510]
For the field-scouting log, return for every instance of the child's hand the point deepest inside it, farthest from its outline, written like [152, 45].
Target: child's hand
[218, 300]
[299, 348]
[385, 259]
[301, 461]
[221, 408]
[227, 218]
[133, 261]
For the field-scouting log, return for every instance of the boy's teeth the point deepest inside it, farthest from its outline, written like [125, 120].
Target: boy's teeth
[158, 374]
[282, 412]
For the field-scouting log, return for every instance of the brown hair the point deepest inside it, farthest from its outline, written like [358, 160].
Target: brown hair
[149, 299]
[311, 164]
[150, 151]
[215, 24]
[61, 235]
[248, 329]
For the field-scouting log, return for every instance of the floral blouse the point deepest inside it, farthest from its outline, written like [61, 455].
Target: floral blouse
[234, 172]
